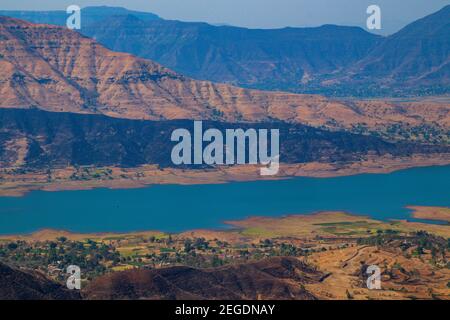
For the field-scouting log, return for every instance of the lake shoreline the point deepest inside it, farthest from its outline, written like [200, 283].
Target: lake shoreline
[281, 222]
[441, 214]
[18, 185]
[177, 208]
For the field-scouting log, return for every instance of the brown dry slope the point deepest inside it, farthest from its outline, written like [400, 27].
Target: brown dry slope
[275, 278]
[402, 277]
[56, 69]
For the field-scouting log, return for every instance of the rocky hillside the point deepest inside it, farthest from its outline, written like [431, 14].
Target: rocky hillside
[333, 60]
[275, 278]
[55, 69]
[268, 59]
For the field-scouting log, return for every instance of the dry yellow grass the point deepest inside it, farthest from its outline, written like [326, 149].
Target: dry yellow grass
[328, 224]
[431, 213]
[324, 224]
[420, 279]
[50, 235]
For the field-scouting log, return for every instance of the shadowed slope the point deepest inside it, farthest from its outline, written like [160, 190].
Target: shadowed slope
[20, 285]
[275, 278]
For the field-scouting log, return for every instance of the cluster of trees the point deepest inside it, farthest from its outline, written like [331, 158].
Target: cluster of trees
[417, 243]
[90, 256]
[200, 253]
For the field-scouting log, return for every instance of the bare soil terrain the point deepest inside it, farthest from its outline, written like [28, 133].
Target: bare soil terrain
[431, 213]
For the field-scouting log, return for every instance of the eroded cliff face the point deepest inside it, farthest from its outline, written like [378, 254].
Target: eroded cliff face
[330, 59]
[55, 69]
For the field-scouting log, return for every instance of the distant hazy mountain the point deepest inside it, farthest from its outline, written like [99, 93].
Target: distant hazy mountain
[89, 15]
[264, 59]
[332, 60]
[417, 58]
[419, 51]
[267, 59]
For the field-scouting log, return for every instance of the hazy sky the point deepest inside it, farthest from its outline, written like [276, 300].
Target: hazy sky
[259, 13]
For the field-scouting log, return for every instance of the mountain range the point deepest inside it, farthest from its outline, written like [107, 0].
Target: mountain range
[331, 60]
[54, 69]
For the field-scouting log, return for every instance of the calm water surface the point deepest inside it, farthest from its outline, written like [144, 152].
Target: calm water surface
[176, 207]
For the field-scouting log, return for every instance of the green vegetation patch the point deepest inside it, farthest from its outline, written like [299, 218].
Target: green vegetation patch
[258, 232]
[343, 223]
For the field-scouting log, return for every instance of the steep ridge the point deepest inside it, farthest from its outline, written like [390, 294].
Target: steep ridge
[331, 60]
[255, 58]
[279, 59]
[55, 69]
[275, 278]
[418, 56]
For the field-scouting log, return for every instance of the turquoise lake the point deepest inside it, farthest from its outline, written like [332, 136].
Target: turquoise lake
[176, 208]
